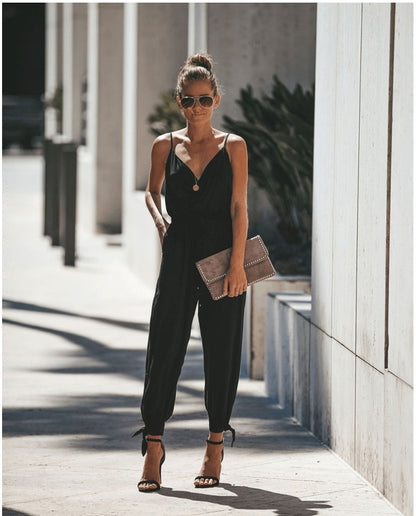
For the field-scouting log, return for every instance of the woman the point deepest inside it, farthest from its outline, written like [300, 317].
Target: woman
[206, 197]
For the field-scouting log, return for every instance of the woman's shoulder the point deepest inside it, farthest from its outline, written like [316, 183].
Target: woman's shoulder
[235, 138]
[236, 143]
[162, 144]
[164, 141]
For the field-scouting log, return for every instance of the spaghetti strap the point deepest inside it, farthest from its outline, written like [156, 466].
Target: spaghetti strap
[225, 141]
[171, 152]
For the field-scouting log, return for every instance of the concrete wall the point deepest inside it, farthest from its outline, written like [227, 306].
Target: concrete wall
[359, 334]
[250, 43]
[159, 60]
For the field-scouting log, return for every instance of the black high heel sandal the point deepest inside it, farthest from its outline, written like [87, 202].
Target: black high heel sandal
[217, 480]
[145, 481]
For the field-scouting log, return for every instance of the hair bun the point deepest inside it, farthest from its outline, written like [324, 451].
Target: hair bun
[203, 60]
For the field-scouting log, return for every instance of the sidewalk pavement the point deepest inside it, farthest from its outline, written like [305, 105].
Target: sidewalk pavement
[74, 342]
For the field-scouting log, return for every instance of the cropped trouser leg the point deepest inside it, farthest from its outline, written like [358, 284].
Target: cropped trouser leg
[171, 318]
[221, 322]
[221, 325]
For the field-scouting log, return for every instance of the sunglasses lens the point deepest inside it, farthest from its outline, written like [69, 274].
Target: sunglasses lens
[206, 101]
[187, 102]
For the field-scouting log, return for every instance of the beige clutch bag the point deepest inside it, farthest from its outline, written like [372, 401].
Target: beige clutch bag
[257, 266]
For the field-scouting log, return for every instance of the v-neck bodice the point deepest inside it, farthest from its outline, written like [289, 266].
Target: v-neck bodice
[207, 165]
[206, 211]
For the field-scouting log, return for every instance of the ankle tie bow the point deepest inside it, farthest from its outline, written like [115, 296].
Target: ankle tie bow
[229, 427]
[144, 441]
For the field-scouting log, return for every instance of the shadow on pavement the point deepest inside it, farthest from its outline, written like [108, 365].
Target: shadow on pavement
[107, 421]
[12, 512]
[251, 498]
[17, 305]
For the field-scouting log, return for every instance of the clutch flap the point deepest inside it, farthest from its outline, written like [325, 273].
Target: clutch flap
[214, 267]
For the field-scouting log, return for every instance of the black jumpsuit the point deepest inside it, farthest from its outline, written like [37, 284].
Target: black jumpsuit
[201, 225]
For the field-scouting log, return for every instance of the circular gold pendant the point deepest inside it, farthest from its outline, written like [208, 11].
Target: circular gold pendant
[195, 188]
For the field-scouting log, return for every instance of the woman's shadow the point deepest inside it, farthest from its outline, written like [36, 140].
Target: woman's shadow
[251, 498]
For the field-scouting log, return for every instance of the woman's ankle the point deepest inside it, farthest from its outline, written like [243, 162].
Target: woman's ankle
[216, 436]
[150, 436]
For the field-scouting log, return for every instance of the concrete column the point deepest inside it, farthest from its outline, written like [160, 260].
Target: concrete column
[197, 28]
[129, 117]
[67, 78]
[146, 76]
[74, 66]
[60, 39]
[51, 65]
[105, 109]
[88, 159]
[157, 70]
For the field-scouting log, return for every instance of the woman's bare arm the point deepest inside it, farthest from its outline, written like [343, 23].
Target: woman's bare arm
[235, 281]
[160, 151]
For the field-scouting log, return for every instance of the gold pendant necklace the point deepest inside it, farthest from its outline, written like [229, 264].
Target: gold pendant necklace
[195, 187]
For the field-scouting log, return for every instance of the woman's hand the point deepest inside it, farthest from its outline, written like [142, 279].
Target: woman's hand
[162, 228]
[235, 281]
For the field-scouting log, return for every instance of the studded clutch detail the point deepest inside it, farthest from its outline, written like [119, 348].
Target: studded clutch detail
[257, 266]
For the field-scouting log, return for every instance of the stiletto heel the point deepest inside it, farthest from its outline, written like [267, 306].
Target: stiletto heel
[148, 481]
[216, 479]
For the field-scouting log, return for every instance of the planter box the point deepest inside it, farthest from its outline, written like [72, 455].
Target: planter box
[254, 337]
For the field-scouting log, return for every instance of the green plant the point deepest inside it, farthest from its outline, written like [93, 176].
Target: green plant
[278, 130]
[166, 116]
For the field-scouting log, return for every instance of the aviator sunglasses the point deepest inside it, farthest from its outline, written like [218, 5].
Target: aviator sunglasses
[204, 100]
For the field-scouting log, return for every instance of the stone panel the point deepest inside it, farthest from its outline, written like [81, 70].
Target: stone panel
[323, 169]
[400, 359]
[258, 314]
[398, 443]
[346, 174]
[301, 342]
[369, 426]
[371, 254]
[320, 383]
[342, 439]
[282, 383]
[273, 336]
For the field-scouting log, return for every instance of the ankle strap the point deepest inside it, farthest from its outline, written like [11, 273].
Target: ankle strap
[215, 442]
[144, 433]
